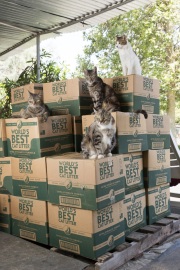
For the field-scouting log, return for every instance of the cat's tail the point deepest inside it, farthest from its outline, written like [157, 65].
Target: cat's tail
[143, 112]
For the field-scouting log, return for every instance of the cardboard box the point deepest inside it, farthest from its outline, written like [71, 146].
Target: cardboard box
[133, 171]
[29, 219]
[19, 96]
[29, 178]
[158, 131]
[158, 203]
[131, 131]
[6, 186]
[72, 94]
[137, 92]
[134, 210]
[5, 213]
[84, 232]
[84, 183]
[33, 139]
[157, 169]
[3, 139]
[77, 132]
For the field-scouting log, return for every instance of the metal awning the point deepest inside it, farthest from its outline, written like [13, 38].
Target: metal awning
[21, 21]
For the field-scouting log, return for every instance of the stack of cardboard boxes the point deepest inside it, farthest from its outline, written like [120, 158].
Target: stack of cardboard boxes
[137, 92]
[80, 205]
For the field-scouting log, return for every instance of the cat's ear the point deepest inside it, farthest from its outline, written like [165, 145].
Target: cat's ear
[95, 111]
[95, 69]
[124, 37]
[30, 94]
[40, 94]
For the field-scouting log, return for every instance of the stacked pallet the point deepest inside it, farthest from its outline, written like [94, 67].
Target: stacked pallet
[87, 207]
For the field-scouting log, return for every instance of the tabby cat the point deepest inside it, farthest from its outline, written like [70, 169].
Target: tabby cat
[100, 138]
[35, 108]
[129, 60]
[103, 96]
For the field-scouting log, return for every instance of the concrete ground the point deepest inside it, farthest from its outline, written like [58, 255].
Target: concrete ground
[19, 254]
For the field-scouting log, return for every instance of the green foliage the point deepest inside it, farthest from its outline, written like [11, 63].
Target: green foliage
[49, 71]
[154, 34]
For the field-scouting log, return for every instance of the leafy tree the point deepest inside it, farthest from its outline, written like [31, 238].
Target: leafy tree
[49, 71]
[154, 33]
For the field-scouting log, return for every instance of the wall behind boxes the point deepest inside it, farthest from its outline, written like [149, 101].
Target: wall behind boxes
[130, 183]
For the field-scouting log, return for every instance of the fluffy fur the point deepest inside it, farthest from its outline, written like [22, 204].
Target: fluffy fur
[35, 108]
[129, 60]
[103, 95]
[100, 138]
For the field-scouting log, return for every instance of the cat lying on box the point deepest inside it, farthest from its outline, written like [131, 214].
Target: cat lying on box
[35, 108]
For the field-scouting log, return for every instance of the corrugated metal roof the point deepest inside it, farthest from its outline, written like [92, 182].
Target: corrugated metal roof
[22, 20]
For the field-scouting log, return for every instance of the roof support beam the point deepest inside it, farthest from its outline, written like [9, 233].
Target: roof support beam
[38, 57]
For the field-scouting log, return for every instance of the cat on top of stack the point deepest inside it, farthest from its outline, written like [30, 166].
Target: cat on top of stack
[102, 94]
[129, 60]
[100, 138]
[35, 108]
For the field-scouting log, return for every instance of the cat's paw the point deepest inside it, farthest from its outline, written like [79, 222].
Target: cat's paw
[100, 156]
[93, 157]
[109, 155]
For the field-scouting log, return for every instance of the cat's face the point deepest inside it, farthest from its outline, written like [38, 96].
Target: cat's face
[103, 117]
[121, 41]
[34, 100]
[90, 76]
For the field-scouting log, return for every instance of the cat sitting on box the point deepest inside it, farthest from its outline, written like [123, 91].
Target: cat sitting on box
[103, 95]
[100, 138]
[35, 108]
[129, 60]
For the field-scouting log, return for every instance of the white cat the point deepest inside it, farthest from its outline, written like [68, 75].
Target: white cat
[129, 60]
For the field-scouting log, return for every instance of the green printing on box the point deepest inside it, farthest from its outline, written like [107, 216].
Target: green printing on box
[81, 106]
[89, 247]
[132, 143]
[158, 203]
[158, 141]
[133, 171]
[33, 139]
[131, 102]
[92, 197]
[134, 211]
[30, 190]
[29, 219]
[131, 132]
[37, 147]
[6, 185]
[158, 131]
[157, 177]
[68, 229]
[28, 180]
[157, 169]
[29, 231]
[17, 107]
[88, 184]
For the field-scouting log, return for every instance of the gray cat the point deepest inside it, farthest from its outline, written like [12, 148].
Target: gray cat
[100, 138]
[103, 95]
[35, 108]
